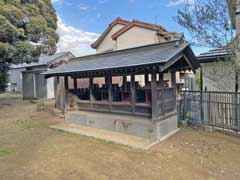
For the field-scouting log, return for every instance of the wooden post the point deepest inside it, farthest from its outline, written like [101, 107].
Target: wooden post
[146, 79]
[174, 86]
[161, 80]
[56, 91]
[201, 95]
[66, 92]
[109, 85]
[133, 93]
[161, 85]
[75, 84]
[154, 95]
[91, 98]
[201, 79]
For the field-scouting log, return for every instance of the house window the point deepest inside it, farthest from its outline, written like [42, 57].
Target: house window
[20, 76]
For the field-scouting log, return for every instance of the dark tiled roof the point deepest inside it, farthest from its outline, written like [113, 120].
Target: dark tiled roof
[144, 55]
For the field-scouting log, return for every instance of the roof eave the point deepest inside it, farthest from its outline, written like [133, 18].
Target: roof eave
[110, 26]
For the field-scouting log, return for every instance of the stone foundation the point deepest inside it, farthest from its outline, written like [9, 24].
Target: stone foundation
[132, 125]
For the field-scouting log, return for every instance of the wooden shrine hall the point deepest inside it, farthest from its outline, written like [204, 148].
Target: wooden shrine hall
[131, 91]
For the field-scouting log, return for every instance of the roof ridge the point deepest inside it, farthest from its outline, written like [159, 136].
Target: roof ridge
[128, 49]
[138, 23]
[118, 20]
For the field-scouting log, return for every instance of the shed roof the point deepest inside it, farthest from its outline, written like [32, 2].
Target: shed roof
[160, 53]
[212, 55]
[43, 60]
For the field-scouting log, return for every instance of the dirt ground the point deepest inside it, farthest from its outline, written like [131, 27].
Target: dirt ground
[31, 150]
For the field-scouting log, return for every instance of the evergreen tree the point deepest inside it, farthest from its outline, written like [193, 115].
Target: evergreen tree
[27, 30]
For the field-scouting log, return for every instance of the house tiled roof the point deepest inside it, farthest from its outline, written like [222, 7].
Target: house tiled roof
[118, 20]
[127, 25]
[140, 24]
[159, 53]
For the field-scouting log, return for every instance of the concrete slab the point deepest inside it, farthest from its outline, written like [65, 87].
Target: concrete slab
[109, 136]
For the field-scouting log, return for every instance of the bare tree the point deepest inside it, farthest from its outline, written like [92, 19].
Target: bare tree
[208, 22]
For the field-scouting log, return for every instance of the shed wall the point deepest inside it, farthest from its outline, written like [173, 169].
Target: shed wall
[15, 79]
[218, 76]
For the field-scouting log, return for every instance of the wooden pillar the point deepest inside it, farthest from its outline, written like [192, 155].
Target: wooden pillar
[161, 85]
[109, 85]
[124, 79]
[66, 92]
[173, 79]
[146, 79]
[91, 98]
[201, 79]
[174, 86]
[133, 93]
[155, 108]
[75, 84]
[161, 80]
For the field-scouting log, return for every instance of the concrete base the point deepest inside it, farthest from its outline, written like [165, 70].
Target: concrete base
[209, 128]
[109, 136]
[131, 125]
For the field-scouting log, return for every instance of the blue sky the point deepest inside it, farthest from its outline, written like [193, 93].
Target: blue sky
[82, 21]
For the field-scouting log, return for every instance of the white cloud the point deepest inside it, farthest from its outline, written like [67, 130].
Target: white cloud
[83, 7]
[75, 40]
[179, 2]
[55, 1]
[102, 1]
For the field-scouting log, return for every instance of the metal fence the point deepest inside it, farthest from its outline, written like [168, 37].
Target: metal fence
[219, 109]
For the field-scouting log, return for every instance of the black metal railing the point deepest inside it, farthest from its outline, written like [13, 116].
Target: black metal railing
[219, 109]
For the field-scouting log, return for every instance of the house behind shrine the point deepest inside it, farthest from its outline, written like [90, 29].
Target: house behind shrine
[123, 34]
[124, 90]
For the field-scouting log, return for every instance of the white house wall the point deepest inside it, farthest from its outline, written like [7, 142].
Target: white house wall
[136, 36]
[107, 43]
